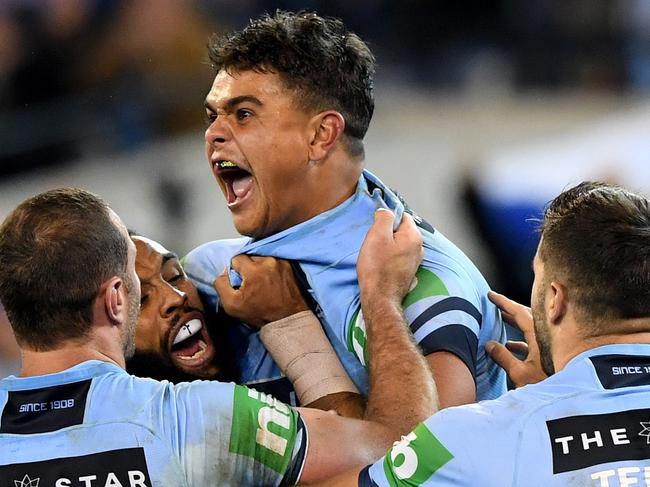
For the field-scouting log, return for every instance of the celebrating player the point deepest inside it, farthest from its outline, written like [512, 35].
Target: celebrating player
[287, 112]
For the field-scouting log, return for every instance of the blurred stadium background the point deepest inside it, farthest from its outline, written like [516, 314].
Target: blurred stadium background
[485, 109]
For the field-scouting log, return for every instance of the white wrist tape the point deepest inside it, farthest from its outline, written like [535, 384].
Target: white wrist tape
[301, 349]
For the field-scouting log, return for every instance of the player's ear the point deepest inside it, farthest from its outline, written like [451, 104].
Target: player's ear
[114, 299]
[556, 302]
[325, 129]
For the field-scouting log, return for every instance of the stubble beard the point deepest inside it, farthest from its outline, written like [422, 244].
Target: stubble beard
[542, 335]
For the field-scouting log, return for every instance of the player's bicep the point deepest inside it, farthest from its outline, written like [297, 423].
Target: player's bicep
[455, 382]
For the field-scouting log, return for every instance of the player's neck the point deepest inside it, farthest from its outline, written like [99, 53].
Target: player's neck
[635, 331]
[52, 361]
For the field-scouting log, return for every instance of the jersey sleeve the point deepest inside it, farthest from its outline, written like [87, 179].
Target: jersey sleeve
[443, 312]
[206, 262]
[232, 435]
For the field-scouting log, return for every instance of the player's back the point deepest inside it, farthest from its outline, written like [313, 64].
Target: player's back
[588, 425]
[95, 425]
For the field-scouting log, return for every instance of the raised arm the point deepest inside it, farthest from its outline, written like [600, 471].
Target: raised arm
[402, 392]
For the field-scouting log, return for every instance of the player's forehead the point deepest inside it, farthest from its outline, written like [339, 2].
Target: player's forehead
[151, 255]
[151, 246]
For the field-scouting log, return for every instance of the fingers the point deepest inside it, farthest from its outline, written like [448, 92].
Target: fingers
[383, 224]
[228, 295]
[242, 262]
[501, 355]
[505, 304]
[517, 347]
[513, 313]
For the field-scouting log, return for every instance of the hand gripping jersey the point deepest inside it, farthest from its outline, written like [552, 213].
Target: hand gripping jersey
[447, 308]
[588, 425]
[94, 425]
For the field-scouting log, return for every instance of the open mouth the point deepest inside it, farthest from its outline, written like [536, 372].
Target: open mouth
[237, 181]
[192, 349]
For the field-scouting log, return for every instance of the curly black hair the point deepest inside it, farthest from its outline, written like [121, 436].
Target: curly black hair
[327, 66]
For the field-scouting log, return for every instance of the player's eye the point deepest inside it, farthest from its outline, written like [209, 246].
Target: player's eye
[143, 299]
[243, 114]
[209, 118]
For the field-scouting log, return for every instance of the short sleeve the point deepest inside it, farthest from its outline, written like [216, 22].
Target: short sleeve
[443, 312]
[233, 435]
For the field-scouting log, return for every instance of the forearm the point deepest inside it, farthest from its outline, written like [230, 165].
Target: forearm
[348, 404]
[402, 390]
[303, 352]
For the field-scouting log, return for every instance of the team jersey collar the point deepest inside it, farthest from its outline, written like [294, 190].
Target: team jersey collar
[640, 349]
[84, 370]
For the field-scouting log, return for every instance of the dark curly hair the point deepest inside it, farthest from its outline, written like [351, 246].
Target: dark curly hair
[327, 66]
[596, 237]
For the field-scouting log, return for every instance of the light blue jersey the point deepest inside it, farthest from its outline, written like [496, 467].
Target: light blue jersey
[588, 425]
[95, 425]
[447, 308]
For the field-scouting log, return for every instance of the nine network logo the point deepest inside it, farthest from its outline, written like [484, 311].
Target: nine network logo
[27, 482]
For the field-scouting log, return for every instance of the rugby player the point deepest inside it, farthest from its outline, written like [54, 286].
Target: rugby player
[175, 339]
[74, 417]
[287, 113]
[588, 424]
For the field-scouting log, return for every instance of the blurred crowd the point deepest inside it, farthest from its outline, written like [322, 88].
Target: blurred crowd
[113, 74]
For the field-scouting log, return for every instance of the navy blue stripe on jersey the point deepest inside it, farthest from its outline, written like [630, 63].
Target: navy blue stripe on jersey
[456, 339]
[294, 470]
[364, 478]
[453, 303]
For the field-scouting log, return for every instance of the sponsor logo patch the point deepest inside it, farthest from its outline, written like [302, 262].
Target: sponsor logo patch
[583, 441]
[116, 468]
[45, 409]
[263, 428]
[616, 371]
[412, 461]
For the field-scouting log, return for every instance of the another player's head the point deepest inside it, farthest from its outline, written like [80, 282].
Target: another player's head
[172, 340]
[289, 107]
[593, 262]
[68, 266]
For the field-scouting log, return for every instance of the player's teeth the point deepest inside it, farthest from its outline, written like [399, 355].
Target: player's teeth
[187, 330]
[225, 164]
[202, 347]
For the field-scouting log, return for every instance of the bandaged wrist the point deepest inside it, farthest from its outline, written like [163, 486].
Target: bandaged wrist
[301, 349]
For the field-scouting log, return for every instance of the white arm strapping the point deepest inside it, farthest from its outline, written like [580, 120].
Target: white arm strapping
[301, 349]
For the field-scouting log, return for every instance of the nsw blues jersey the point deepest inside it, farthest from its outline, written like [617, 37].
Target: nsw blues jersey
[587, 425]
[447, 308]
[94, 424]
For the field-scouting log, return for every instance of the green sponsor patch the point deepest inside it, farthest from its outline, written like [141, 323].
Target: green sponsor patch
[427, 284]
[357, 340]
[263, 428]
[412, 461]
